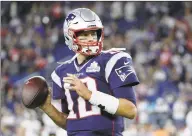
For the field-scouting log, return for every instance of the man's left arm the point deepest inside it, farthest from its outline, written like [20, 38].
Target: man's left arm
[126, 109]
[123, 103]
[121, 76]
[127, 101]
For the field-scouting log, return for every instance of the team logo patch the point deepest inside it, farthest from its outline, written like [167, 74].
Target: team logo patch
[94, 67]
[70, 18]
[124, 71]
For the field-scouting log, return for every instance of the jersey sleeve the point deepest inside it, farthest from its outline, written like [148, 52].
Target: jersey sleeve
[126, 92]
[58, 91]
[119, 71]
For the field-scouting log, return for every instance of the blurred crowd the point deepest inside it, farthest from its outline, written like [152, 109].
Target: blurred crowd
[158, 35]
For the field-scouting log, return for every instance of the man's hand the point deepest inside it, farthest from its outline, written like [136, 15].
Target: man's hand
[77, 85]
[58, 117]
[47, 102]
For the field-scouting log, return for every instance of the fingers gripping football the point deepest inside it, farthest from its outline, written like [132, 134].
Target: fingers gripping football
[72, 80]
[77, 85]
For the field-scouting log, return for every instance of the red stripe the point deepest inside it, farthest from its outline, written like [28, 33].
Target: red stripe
[113, 128]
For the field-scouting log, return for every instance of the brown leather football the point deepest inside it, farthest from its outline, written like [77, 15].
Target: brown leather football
[34, 92]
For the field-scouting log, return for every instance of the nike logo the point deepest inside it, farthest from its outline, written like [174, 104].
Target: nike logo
[126, 63]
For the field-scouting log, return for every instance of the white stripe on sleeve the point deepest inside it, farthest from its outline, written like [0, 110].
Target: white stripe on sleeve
[112, 61]
[56, 79]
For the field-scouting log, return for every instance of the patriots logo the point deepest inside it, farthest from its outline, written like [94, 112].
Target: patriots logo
[70, 17]
[124, 71]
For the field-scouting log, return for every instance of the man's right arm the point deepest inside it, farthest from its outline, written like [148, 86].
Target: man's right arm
[58, 117]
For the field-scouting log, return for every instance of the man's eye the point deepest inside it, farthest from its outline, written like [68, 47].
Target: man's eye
[81, 38]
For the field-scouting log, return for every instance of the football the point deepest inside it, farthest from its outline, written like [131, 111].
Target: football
[34, 92]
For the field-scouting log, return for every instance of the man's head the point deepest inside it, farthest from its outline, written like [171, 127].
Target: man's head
[83, 32]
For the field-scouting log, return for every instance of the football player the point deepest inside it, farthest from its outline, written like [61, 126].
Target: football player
[95, 86]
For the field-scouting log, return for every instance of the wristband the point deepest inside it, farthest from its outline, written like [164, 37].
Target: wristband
[104, 101]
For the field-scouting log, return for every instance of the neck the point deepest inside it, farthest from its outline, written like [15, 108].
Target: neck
[81, 58]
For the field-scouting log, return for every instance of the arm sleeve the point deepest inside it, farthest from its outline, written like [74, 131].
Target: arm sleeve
[58, 91]
[126, 92]
[119, 71]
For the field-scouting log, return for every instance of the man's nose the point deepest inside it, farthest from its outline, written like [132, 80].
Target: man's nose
[90, 37]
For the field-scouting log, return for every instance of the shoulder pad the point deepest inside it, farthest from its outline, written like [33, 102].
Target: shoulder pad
[106, 55]
[68, 61]
[114, 50]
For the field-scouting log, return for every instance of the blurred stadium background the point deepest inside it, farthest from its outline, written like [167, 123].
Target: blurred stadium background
[158, 35]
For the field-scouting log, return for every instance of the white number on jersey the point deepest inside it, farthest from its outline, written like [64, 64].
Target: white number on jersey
[91, 85]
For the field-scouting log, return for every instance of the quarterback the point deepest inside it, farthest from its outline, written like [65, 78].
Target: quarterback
[95, 87]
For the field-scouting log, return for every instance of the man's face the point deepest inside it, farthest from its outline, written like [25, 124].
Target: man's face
[87, 42]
